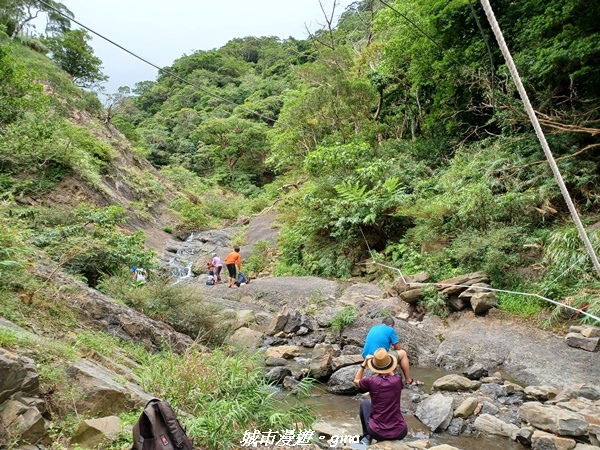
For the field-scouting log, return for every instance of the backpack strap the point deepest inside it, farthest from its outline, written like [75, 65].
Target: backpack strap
[142, 429]
[172, 423]
[151, 401]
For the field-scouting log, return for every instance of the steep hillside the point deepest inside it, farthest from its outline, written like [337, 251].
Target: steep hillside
[129, 180]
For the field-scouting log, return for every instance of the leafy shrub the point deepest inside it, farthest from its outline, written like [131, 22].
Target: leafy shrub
[10, 339]
[191, 214]
[343, 318]
[14, 249]
[435, 302]
[521, 305]
[261, 258]
[86, 241]
[493, 250]
[405, 256]
[239, 238]
[34, 44]
[564, 253]
[89, 101]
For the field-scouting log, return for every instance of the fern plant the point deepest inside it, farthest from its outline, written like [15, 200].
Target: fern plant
[343, 318]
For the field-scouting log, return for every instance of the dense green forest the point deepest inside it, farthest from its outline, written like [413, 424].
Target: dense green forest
[396, 135]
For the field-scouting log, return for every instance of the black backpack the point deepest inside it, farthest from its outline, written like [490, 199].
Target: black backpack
[158, 428]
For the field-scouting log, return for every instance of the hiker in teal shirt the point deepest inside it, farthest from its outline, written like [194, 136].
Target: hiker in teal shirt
[384, 336]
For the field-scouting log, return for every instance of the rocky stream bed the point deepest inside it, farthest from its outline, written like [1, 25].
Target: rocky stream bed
[491, 383]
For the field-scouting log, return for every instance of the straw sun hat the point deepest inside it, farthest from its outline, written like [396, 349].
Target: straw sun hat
[382, 362]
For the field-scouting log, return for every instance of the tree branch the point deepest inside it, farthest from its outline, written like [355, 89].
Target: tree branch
[584, 149]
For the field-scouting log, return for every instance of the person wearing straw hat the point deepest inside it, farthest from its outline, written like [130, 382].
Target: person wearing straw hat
[381, 417]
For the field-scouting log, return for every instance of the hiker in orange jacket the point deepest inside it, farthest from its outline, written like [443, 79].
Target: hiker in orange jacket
[232, 260]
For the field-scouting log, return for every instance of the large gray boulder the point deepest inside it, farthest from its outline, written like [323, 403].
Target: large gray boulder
[278, 374]
[540, 393]
[553, 419]
[453, 382]
[435, 412]
[466, 408]
[462, 282]
[283, 351]
[278, 322]
[546, 441]
[587, 390]
[341, 382]
[93, 432]
[100, 393]
[320, 363]
[246, 338]
[412, 296]
[24, 421]
[577, 340]
[345, 360]
[489, 424]
[481, 302]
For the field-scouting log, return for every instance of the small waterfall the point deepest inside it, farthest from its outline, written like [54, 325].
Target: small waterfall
[181, 264]
[198, 246]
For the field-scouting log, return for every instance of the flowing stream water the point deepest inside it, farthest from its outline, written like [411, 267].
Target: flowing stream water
[181, 264]
[342, 410]
[197, 246]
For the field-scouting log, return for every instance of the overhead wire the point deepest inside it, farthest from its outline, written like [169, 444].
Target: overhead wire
[440, 285]
[162, 69]
[422, 31]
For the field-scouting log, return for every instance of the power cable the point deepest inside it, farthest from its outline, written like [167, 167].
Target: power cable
[489, 50]
[422, 31]
[538, 131]
[161, 69]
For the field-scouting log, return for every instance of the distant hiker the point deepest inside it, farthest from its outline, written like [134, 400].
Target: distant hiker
[218, 265]
[381, 417]
[139, 275]
[384, 336]
[232, 260]
[210, 279]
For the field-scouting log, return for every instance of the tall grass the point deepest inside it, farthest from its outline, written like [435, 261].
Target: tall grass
[521, 305]
[262, 257]
[179, 305]
[226, 393]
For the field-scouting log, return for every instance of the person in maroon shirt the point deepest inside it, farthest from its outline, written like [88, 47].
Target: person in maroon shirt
[380, 417]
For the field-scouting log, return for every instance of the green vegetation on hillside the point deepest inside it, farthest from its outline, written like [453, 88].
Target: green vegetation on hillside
[370, 140]
[369, 136]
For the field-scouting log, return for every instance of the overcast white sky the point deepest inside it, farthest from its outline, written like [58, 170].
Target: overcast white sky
[162, 31]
